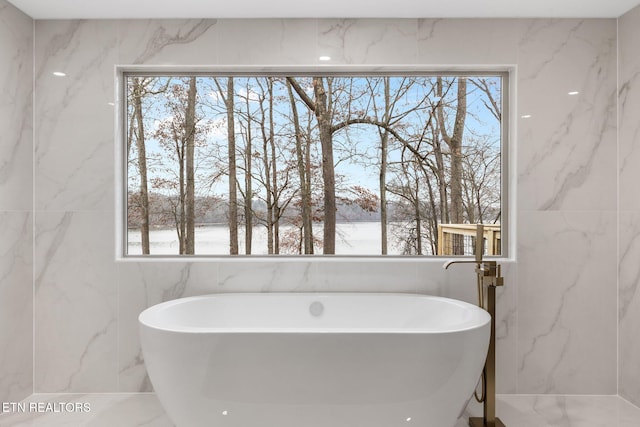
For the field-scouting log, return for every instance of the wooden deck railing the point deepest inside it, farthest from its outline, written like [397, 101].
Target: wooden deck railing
[459, 239]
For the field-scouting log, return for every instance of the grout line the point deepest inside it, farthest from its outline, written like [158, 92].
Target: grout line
[33, 206]
[617, 97]
[624, 399]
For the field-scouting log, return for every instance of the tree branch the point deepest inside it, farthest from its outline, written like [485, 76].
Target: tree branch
[494, 108]
[385, 126]
[301, 93]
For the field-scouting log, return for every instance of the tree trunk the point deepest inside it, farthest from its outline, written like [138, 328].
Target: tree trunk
[440, 174]
[307, 169]
[433, 223]
[267, 178]
[384, 142]
[190, 134]
[248, 190]
[418, 216]
[305, 191]
[181, 205]
[233, 194]
[455, 145]
[274, 174]
[142, 166]
[323, 114]
[454, 141]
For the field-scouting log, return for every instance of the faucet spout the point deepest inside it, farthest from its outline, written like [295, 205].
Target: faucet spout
[455, 261]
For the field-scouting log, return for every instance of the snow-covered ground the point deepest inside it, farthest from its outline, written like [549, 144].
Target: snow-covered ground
[361, 238]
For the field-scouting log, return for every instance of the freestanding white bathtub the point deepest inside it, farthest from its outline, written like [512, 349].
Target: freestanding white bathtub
[314, 360]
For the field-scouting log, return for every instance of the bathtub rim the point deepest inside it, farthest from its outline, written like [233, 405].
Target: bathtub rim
[147, 317]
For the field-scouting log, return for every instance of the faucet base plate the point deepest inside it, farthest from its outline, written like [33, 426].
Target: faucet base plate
[479, 422]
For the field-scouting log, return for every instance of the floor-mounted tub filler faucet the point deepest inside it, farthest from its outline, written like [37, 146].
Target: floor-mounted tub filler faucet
[488, 275]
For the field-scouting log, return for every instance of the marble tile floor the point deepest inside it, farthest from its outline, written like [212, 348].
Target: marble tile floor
[144, 410]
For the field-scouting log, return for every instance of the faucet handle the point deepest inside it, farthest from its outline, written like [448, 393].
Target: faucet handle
[499, 278]
[491, 273]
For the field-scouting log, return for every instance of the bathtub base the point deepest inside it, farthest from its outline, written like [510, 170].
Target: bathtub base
[479, 422]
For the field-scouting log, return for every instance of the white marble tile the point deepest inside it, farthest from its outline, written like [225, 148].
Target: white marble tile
[75, 311]
[265, 276]
[459, 282]
[567, 302]
[141, 285]
[368, 276]
[16, 305]
[368, 41]
[74, 129]
[16, 117]
[566, 411]
[629, 306]
[629, 108]
[567, 148]
[506, 330]
[432, 279]
[167, 42]
[467, 42]
[16, 199]
[629, 205]
[267, 42]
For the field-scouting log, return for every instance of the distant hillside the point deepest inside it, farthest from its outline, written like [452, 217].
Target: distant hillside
[212, 210]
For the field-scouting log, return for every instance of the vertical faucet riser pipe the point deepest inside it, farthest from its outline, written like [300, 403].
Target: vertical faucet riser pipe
[487, 273]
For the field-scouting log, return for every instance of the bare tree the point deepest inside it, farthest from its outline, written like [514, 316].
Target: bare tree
[248, 183]
[268, 162]
[228, 100]
[385, 123]
[138, 91]
[322, 106]
[384, 143]
[481, 184]
[492, 101]
[276, 209]
[454, 142]
[190, 136]
[178, 135]
[302, 156]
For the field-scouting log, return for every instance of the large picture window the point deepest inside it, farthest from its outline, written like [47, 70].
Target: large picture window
[308, 164]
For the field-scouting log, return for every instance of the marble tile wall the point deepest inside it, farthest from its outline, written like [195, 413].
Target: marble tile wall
[629, 216]
[567, 208]
[16, 204]
[549, 340]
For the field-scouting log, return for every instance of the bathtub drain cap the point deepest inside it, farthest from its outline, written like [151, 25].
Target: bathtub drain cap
[316, 308]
